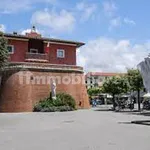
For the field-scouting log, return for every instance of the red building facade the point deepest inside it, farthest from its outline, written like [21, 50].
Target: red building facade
[32, 48]
[40, 57]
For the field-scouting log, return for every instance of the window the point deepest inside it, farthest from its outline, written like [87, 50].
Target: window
[10, 49]
[60, 53]
[33, 50]
[96, 78]
[101, 79]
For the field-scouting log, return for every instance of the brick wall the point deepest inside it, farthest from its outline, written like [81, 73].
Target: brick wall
[21, 47]
[17, 97]
[70, 54]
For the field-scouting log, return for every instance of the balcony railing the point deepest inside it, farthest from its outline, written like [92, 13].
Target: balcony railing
[36, 57]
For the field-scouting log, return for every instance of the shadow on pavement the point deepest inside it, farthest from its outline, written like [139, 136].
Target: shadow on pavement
[141, 122]
[102, 110]
[138, 122]
[144, 113]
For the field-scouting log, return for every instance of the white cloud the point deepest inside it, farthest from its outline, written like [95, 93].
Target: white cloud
[104, 54]
[57, 21]
[129, 21]
[23, 32]
[86, 10]
[114, 18]
[2, 28]
[13, 6]
[116, 22]
[109, 8]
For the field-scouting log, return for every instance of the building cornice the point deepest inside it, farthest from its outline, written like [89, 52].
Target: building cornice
[18, 39]
[52, 40]
[44, 67]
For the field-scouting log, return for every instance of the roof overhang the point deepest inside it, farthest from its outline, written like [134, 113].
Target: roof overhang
[46, 40]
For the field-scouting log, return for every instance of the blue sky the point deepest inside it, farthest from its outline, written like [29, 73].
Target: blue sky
[105, 25]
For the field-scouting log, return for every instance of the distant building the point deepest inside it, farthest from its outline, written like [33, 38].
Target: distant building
[96, 79]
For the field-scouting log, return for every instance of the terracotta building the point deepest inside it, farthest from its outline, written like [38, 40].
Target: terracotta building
[33, 62]
[96, 79]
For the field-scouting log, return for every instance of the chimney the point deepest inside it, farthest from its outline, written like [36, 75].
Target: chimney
[33, 29]
[33, 33]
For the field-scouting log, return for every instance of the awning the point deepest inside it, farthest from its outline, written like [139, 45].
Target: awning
[147, 95]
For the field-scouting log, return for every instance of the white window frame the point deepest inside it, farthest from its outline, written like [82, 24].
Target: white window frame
[32, 49]
[12, 46]
[60, 50]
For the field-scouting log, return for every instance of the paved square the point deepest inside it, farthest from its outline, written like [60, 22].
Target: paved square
[80, 130]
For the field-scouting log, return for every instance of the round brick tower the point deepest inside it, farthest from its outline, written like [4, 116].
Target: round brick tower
[25, 84]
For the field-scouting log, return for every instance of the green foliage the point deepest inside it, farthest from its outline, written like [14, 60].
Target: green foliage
[115, 85]
[94, 91]
[66, 100]
[135, 79]
[63, 102]
[136, 83]
[3, 51]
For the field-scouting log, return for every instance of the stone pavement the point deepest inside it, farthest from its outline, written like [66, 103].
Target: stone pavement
[79, 130]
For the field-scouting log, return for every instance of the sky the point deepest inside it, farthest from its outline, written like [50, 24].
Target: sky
[116, 32]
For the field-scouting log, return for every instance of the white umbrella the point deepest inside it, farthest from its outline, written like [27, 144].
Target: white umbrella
[147, 95]
[125, 96]
[109, 96]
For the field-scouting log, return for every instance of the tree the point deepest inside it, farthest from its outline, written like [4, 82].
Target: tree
[115, 86]
[3, 51]
[94, 91]
[136, 83]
